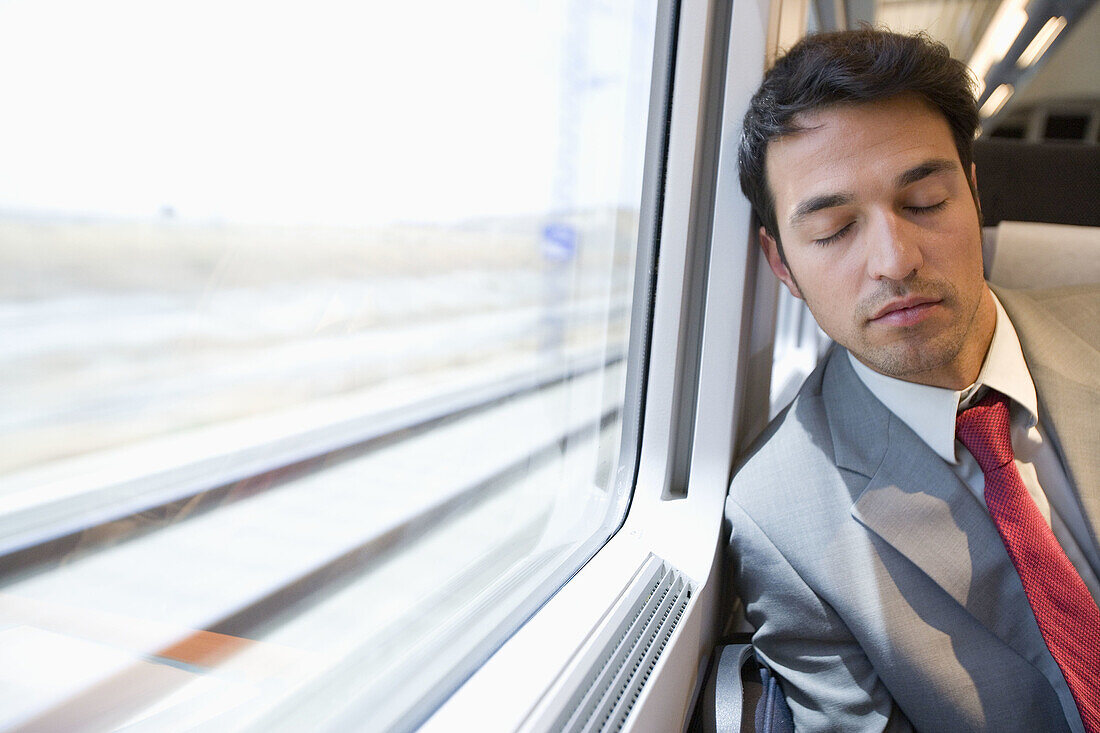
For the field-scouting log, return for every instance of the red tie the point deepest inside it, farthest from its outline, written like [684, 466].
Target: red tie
[1067, 615]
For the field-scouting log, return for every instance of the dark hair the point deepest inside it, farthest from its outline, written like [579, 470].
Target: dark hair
[863, 65]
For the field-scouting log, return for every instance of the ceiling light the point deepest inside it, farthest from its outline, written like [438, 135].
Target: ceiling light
[1041, 42]
[997, 99]
[1006, 25]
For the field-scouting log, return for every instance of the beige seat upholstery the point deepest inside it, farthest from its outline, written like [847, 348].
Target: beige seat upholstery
[1030, 255]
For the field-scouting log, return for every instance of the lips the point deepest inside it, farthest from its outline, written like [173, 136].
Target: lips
[898, 306]
[905, 312]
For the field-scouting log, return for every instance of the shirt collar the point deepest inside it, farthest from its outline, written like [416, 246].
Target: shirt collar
[930, 411]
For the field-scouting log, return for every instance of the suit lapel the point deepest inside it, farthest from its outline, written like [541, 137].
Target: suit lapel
[1066, 371]
[913, 501]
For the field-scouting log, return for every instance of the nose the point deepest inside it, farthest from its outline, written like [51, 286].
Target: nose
[895, 249]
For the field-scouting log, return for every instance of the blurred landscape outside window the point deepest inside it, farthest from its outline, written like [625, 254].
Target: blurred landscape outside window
[314, 329]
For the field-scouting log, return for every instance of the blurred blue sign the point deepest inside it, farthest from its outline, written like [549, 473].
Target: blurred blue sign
[559, 242]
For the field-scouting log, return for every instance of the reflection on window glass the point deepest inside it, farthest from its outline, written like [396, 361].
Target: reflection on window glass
[799, 346]
[315, 321]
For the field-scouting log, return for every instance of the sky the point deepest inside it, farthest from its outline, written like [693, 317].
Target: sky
[321, 112]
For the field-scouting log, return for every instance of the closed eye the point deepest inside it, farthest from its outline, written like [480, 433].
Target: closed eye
[927, 209]
[835, 236]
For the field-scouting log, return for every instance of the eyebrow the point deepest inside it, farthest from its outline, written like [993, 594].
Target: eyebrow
[817, 203]
[924, 170]
[831, 200]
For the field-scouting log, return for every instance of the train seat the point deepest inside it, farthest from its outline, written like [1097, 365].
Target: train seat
[1031, 255]
[740, 694]
[1008, 170]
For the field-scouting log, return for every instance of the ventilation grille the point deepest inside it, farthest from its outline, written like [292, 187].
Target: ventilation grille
[631, 649]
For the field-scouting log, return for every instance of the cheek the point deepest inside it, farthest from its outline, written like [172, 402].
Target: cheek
[960, 254]
[834, 276]
[843, 278]
[833, 300]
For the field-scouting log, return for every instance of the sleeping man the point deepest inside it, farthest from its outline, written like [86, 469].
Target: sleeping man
[914, 538]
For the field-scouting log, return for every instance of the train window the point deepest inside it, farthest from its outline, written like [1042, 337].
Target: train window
[1012, 131]
[799, 344]
[315, 338]
[1066, 127]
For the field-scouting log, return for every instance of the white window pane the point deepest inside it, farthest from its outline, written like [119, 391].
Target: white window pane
[315, 323]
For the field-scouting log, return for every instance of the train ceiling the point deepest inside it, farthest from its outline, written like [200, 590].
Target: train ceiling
[1025, 52]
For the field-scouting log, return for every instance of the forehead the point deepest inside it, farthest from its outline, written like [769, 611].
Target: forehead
[848, 146]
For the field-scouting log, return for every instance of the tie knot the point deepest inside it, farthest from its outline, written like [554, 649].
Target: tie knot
[984, 429]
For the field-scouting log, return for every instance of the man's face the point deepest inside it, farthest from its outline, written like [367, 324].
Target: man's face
[882, 239]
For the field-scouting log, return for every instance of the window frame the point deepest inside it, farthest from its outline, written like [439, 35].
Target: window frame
[705, 253]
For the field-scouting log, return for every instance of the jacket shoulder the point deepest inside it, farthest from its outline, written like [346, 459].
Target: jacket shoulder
[793, 461]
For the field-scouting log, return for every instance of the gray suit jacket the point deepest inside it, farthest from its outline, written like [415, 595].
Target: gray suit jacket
[879, 588]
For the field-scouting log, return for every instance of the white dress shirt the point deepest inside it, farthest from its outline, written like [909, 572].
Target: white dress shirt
[930, 413]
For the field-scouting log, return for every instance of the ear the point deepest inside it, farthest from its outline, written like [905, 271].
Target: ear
[771, 251]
